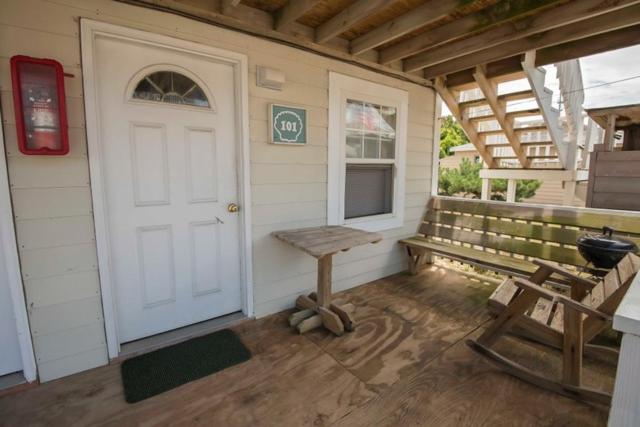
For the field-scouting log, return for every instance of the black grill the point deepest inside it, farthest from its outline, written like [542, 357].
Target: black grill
[605, 250]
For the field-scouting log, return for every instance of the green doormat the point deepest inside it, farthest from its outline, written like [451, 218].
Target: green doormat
[156, 372]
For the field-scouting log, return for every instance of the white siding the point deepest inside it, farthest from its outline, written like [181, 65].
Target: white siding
[52, 198]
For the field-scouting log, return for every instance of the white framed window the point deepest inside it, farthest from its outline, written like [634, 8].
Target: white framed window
[367, 140]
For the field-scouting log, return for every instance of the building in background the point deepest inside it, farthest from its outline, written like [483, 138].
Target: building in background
[549, 193]
[614, 169]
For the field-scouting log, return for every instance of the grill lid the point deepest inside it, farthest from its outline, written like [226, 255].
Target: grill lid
[607, 241]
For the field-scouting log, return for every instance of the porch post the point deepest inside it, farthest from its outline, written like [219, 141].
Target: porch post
[625, 405]
[486, 189]
[610, 132]
[511, 191]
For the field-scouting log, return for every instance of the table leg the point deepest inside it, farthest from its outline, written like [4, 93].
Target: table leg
[324, 281]
[330, 319]
[335, 318]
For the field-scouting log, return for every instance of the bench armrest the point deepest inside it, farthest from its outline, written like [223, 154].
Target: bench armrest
[555, 296]
[551, 266]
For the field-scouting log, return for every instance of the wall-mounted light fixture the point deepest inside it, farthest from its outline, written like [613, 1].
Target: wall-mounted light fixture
[270, 78]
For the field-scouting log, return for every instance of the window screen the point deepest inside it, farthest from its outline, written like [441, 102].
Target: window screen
[370, 130]
[369, 190]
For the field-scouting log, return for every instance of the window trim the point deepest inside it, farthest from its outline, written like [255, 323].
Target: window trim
[341, 88]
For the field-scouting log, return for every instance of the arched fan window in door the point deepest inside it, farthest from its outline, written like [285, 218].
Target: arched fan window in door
[172, 88]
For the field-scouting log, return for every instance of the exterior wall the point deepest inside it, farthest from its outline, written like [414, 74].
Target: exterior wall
[552, 193]
[52, 196]
[453, 161]
[614, 180]
[549, 193]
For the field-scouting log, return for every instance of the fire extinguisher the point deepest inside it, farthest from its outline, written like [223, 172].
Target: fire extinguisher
[40, 107]
[43, 117]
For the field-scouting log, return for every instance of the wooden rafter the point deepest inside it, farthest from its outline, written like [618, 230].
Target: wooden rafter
[468, 127]
[348, 17]
[464, 26]
[626, 17]
[545, 20]
[260, 23]
[604, 42]
[421, 16]
[490, 91]
[459, 36]
[612, 40]
[291, 11]
[228, 5]
[463, 80]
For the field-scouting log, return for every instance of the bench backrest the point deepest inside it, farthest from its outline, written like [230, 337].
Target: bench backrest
[536, 231]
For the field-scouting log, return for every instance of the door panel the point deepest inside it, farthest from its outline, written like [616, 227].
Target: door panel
[202, 170]
[150, 164]
[170, 171]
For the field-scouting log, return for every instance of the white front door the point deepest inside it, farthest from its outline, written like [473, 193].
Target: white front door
[10, 358]
[168, 149]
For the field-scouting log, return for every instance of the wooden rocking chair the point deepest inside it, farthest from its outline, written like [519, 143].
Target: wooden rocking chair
[552, 318]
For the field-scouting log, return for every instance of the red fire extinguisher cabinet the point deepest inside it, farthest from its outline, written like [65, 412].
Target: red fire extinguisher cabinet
[40, 108]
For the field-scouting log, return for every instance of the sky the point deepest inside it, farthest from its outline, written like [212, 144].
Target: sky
[598, 70]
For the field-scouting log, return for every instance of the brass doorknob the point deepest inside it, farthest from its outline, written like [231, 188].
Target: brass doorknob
[232, 207]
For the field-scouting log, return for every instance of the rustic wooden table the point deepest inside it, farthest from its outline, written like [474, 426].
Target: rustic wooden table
[322, 243]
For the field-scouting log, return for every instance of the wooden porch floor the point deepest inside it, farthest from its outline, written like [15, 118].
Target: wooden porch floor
[406, 364]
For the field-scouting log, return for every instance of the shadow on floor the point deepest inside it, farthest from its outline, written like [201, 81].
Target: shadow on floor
[406, 364]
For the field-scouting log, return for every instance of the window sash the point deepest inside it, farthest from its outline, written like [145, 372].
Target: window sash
[341, 89]
[362, 184]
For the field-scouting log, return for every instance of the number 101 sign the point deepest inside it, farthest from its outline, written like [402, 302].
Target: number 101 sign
[288, 125]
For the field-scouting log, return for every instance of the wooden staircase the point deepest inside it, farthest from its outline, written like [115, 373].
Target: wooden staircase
[513, 129]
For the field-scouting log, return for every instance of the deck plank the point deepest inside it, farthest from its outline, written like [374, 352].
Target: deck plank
[405, 364]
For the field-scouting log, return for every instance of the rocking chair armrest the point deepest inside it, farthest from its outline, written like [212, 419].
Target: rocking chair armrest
[551, 266]
[527, 285]
[563, 299]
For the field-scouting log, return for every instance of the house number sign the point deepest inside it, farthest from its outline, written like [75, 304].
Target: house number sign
[288, 125]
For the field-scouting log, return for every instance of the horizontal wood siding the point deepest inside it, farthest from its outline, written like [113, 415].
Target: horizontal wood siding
[52, 202]
[549, 193]
[52, 198]
[614, 182]
[289, 183]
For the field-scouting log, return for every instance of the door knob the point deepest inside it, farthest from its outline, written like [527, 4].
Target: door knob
[232, 207]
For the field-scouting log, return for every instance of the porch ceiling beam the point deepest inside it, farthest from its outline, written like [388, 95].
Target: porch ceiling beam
[348, 17]
[463, 80]
[490, 91]
[545, 20]
[617, 39]
[228, 5]
[291, 11]
[449, 98]
[421, 16]
[464, 26]
[259, 23]
[626, 17]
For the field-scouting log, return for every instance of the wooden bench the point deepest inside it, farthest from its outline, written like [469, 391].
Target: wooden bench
[504, 237]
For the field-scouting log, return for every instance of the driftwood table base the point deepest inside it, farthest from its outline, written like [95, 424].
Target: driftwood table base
[322, 243]
[337, 318]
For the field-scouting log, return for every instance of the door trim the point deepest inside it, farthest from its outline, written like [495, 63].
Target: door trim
[90, 30]
[14, 275]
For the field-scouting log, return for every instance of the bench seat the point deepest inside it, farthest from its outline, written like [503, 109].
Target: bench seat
[505, 237]
[495, 262]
